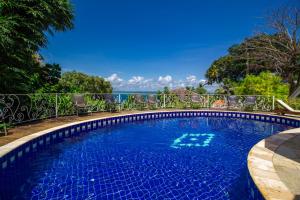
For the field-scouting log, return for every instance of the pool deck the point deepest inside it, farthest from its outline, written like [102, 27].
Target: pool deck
[41, 125]
[274, 163]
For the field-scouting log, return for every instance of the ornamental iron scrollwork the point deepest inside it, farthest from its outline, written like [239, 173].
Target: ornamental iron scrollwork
[26, 107]
[20, 108]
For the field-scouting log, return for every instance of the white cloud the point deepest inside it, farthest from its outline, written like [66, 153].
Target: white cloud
[141, 83]
[115, 80]
[148, 84]
[191, 80]
[165, 79]
[136, 80]
[203, 81]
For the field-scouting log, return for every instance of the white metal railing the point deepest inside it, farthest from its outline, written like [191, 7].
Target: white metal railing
[20, 108]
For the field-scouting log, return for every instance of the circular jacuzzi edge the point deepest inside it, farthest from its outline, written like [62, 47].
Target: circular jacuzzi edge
[14, 151]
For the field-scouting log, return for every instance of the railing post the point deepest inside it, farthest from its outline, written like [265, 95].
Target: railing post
[119, 99]
[207, 101]
[56, 105]
[273, 103]
[164, 101]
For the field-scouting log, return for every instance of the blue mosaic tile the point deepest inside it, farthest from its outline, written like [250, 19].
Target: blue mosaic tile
[38, 145]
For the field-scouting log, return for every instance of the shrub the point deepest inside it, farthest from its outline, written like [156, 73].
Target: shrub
[265, 83]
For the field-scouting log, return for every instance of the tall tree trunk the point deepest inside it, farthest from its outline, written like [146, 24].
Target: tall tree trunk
[291, 83]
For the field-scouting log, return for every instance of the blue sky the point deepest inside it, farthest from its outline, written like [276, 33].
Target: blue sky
[148, 44]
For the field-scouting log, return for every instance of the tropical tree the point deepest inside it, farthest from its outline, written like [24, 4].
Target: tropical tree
[80, 83]
[223, 69]
[46, 79]
[166, 90]
[24, 26]
[228, 69]
[278, 51]
[232, 67]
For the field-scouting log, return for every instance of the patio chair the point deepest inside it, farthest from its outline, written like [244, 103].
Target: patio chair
[110, 102]
[287, 109]
[196, 100]
[233, 103]
[152, 101]
[80, 105]
[249, 103]
[139, 101]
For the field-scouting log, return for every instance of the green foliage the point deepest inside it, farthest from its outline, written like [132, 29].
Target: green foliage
[65, 105]
[231, 67]
[41, 105]
[50, 74]
[222, 69]
[173, 101]
[166, 90]
[234, 67]
[24, 26]
[277, 51]
[265, 83]
[45, 80]
[294, 103]
[95, 103]
[4, 127]
[77, 82]
[227, 69]
[189, 88]
[129, 103]
[200, 89]
[220, 90]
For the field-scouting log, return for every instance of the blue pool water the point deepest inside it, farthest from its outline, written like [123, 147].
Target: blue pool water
[184, 158]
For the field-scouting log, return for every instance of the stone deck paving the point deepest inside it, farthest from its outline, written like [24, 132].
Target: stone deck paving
[274, 164]
[33, 127]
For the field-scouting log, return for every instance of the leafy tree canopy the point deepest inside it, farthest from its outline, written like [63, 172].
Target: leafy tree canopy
[200, 89]
[277, 51]
[24, 26]
[220, 69]
[77, 82]
[232, 67]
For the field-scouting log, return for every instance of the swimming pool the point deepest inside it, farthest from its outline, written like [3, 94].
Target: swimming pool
[177, 158]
